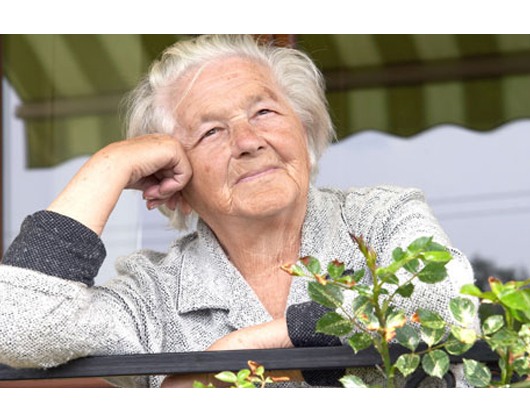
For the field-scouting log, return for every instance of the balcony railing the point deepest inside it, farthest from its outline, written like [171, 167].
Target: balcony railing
[310, 358]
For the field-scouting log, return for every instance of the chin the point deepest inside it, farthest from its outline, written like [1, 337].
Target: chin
[270, 202]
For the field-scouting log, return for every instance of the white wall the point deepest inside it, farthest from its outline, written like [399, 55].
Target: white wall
[478, 184]
[28, 190]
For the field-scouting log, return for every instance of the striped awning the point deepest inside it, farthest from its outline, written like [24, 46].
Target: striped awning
[71, 85]
[404, 84]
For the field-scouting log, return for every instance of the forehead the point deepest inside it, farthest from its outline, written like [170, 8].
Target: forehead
[224, 81]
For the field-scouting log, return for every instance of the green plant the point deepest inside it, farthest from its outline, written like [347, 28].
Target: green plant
[373, 319]
[253, 377]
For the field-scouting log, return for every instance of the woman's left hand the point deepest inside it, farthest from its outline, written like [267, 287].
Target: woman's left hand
[269, 335]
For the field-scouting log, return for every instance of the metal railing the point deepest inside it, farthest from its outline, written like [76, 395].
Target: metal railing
[309, 358]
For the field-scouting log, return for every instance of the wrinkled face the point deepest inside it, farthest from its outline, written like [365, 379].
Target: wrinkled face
[246, 146]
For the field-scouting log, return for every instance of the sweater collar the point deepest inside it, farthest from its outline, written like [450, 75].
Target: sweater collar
[210, 281]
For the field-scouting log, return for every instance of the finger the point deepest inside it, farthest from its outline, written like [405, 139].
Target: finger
[174, 201]
[161, 191]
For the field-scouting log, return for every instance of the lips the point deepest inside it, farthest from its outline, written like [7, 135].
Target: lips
[255, 174]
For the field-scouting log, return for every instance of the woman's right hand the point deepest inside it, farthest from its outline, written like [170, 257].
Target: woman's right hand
[155, 164]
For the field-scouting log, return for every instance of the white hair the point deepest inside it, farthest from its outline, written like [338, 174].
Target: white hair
[295, 73]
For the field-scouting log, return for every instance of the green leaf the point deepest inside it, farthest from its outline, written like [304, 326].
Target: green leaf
[518, 299]
[346, 280]
[502, 338]
[406, 290]
[471, 290]
[489, 296]
[362, 305]
[407, 363]
[398, 254]
[419, 244]
[522, 366]
[332, 323]
[435, 246]
[358, 275]
[520, 316]
[260, 370]
[369, 320]
[226, 376]
[456, 347]
[412, 266]
[245, 384]
[243, 374]
[430, 319]
[352, 381]
[492, 324]
[431, 336]
[311, 263]
[360, 341]
[198, 384]
[496, 286]
[432, 273]
[327, 295]
[441, 256]
[476, 373]
[297, 271]
[387, 276]
[435, 363]
[464, 335]
[335, 269]
[408, 337]
[519, 347]
[524, 331]
[463, 310]
[364, 290]
[396, 319]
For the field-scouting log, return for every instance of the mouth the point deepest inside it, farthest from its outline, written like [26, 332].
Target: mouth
[253, 175]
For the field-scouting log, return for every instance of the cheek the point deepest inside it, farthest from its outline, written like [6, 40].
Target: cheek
[207, 170]
[208, 177]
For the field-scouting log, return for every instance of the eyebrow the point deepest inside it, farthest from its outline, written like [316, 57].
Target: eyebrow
[254, 99]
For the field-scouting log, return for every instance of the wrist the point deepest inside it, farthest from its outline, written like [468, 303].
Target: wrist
[93, 192]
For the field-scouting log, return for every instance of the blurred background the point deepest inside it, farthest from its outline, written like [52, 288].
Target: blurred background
[449, 114]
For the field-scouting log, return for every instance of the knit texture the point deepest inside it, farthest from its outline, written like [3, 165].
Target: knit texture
[189, 297]
[57, 245]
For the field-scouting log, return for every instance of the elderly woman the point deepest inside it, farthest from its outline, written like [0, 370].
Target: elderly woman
[229, 132]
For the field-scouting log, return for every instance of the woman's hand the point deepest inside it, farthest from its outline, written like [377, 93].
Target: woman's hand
[270, 335]
[263, 336]
[155, 164]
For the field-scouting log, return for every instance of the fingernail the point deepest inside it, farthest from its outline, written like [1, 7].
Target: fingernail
[150, 205]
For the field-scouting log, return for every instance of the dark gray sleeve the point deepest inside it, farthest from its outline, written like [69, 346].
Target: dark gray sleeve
[58, 246]
[301, 325]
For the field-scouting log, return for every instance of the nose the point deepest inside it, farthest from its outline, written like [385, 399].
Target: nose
[246, 140]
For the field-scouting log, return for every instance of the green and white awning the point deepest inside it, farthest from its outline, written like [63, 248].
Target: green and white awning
[71, 85]
[404, 84]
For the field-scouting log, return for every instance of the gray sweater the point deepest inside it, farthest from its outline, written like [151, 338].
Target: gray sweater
[187, 298]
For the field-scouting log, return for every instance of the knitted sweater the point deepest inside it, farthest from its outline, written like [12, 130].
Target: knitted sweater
[187, 298]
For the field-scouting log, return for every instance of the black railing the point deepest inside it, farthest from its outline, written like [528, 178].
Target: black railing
[310, 358]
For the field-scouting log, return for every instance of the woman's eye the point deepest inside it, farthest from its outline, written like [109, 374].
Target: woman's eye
[263, 111]
[209, 133]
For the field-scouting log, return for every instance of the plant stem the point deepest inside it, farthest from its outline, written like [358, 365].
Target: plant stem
[385, 354]
[507, 369]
